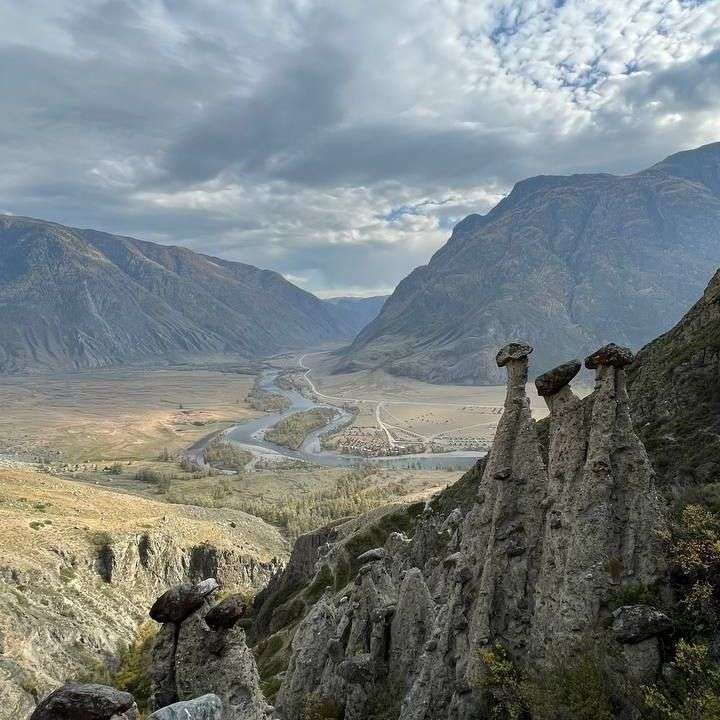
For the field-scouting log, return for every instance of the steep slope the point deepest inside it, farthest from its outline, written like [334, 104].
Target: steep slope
[354, 313]
[395, 616]
[79, 566]
[675, 394]
[566, 263]
[74, 298]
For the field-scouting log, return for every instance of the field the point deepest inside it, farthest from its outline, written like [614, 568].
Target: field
[452, 415]
[117, 414]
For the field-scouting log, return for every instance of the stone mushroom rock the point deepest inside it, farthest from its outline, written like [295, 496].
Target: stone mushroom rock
[226, 613]
[554, 380]
[181, 601]
[206, 707]
[76, 701]
[218, 662]
[634, 623]
[512, 351]
[610, 355]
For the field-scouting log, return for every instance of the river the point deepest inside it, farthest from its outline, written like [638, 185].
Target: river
[249, 436]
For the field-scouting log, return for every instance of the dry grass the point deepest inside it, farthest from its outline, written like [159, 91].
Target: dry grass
[40, 514]
[111, 414]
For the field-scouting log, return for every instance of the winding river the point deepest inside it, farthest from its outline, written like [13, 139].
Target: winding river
[249, 436]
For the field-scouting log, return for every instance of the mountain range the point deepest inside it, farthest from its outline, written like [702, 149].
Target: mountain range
[73, 298]
[564, 262]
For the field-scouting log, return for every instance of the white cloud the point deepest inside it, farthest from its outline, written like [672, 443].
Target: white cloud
[336, 142]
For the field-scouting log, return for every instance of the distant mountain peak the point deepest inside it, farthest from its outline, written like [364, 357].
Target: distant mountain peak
[566, 262]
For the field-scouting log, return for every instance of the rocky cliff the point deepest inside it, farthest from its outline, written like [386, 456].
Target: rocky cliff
[568, 263]
[526, 554]
[79, 566]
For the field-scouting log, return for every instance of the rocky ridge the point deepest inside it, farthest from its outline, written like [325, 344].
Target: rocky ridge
[73, 298]
[527, 554]
[674, 388]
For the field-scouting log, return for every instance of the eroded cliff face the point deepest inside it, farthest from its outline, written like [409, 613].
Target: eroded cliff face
[77, 582]
[531, 564]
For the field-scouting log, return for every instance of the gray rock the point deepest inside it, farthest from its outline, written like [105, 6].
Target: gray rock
[512, 351]
[84, 702]
[218, 662]
[226, 613]
[554, 380]
[610, 355]
[206, 707]
[372, 555]
[634, 623]
[357, 669]
[162, 669]
[181, 601]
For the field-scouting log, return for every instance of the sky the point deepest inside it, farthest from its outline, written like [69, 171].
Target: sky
[335, 142]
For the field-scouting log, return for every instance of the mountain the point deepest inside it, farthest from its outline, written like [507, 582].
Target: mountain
[674, 388]
[564, 262]
[72, 298]
[354, 313]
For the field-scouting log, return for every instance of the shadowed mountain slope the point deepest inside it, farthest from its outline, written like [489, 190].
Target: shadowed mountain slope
[72, 298]
[566, 263]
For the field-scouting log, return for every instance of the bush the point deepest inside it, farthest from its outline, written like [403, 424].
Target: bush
[131, 672]
[693, 693]
[115, 469]
[147, 475]
[577, 687]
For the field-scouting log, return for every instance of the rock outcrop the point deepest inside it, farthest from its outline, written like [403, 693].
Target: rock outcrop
[192, 659]
[206, 707]
[86, 702]
[532, 563]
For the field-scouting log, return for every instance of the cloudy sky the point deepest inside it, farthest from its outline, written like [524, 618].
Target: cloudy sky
[335, 141]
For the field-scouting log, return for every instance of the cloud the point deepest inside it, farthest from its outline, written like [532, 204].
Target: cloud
[336, 142]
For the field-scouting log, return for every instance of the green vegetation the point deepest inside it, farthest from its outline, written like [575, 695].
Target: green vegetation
[226, 456]
[291, 431]
[148, 475]
[576, 688]
[693, 690]
[353, 494]
[132, 669]
[115, 469]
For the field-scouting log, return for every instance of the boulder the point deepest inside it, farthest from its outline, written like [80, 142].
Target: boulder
[206, 707]
[611, 355]
[85, 702]
[181, 601]
[634, 623]
[554, 380]
[226, 613]
[512, 351]
[372, 555]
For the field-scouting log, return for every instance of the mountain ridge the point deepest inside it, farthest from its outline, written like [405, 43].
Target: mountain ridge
[591, 258]
[78, 298]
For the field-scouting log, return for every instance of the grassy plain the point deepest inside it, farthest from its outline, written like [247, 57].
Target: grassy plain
[118, 414]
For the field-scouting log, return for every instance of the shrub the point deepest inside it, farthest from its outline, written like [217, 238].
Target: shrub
[147, 475]
[693, 692]
[115, 469]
